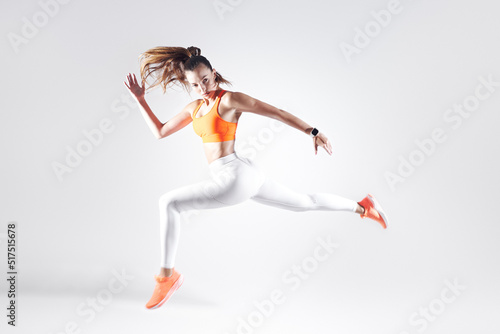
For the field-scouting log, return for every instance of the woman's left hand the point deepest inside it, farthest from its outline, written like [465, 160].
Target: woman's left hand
[321, 140]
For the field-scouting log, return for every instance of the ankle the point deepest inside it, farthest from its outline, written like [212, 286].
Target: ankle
[360, 209]
[165, 272]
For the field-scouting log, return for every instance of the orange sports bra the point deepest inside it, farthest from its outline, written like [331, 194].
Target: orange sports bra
[211, 127]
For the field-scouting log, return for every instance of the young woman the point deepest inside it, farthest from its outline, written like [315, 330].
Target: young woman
[234, 179]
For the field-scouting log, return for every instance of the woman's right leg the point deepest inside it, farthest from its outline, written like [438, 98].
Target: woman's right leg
[232, 181]
[197, 196]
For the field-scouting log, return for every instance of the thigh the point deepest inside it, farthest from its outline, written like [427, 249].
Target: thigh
[229, 184]
[232, 183]
[197, 196]
[236, 181]
[278, 195]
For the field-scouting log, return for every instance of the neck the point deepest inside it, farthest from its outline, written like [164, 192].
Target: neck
[212, 96]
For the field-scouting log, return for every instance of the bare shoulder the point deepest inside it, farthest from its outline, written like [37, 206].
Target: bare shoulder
[235, 99]
[232, 96]
[241, 102]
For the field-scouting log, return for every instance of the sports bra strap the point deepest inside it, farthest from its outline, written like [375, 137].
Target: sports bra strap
[195, 112]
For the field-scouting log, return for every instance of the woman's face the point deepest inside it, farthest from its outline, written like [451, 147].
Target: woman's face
[202, 80]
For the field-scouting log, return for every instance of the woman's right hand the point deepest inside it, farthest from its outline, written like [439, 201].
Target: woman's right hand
[135, 89]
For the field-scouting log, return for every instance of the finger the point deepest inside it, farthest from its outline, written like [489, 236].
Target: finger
[325, 147]
[137, 83]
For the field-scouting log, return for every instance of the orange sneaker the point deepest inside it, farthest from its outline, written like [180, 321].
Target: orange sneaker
[373, 210]
[164, 289]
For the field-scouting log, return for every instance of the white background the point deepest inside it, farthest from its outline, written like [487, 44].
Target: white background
[76, 230]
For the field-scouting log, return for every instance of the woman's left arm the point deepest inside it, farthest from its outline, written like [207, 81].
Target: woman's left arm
[245, 103]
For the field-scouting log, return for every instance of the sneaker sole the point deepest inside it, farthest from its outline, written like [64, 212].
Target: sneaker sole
[378, 207]
[174, 288]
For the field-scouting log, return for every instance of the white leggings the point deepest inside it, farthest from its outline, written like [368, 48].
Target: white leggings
[234, 180]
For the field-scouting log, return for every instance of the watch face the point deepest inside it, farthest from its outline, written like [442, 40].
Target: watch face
[315, 132]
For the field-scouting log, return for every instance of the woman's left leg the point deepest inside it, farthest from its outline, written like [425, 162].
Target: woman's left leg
[276, 194]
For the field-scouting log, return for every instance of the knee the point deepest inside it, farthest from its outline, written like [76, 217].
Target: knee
[167, 202]
[309, 202]
[311, 199]
[305, 202]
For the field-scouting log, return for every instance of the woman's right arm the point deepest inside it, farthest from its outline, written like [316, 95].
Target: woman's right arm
[162, 130]
[159, 129]
[153, 122]
[177, 122]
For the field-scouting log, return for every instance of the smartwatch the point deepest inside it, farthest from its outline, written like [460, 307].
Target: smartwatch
[314, 132]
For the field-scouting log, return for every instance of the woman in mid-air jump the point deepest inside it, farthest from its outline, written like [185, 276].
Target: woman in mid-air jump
[234, 179]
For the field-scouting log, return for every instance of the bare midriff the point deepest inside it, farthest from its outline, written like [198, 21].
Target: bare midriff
[214, 151]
